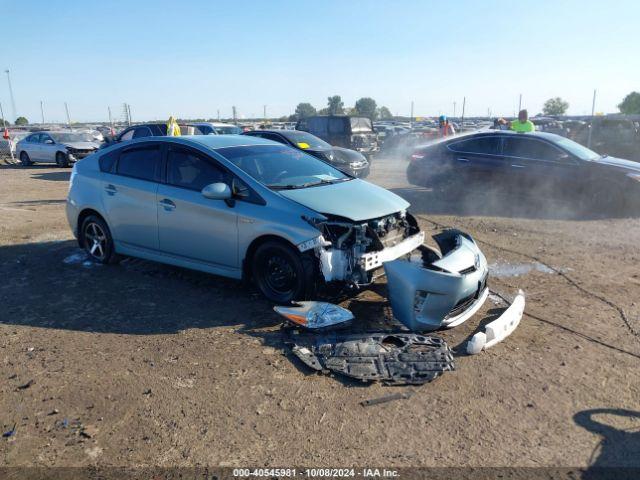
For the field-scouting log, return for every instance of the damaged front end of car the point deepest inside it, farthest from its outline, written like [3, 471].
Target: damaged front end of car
[353, 252]
[439, 288]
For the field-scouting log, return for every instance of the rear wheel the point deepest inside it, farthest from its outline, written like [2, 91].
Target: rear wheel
[97, 241]
[25, 161]
[62, 160]
[282, 274]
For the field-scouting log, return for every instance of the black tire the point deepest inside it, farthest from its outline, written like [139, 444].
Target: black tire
[62, 160]
[282, 274]
[25, 161]
[96, 240]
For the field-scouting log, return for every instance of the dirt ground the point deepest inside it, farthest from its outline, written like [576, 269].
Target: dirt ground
[144, 364]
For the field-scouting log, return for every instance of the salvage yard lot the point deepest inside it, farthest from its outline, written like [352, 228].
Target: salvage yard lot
[144, 364]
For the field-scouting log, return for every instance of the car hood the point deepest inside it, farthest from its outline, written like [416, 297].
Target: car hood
[81, 145]
[355, 199]
[627, 165]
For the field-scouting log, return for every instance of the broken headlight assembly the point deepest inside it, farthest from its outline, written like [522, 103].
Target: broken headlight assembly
[315, 315]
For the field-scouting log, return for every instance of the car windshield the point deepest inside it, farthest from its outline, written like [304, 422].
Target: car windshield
[72, 137]
[280, 167]
[583, 153]
[305, 140]
[228, 130]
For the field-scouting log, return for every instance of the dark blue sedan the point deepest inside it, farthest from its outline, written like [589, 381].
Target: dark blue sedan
[542, 164]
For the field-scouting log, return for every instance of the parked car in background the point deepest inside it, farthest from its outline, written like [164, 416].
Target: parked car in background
[536, 163]
[354, 133]
[151, 130]
[240, 207]
[611, 135]
[59, 147]
[217, 128]
[349, 161]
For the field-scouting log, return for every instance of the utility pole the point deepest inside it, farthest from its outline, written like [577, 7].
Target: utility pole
[13, 101]
[520, 103]
[464, 104]
[454, 109]
[218, 114]
[129, 113]
[66, 108]
[411, 121]
[264, 113]
[110, 118]
[235, 115]
[42, 110]
[593, 111]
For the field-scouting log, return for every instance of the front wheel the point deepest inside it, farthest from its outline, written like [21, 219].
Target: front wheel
[62, 160]
[25, 161]
[97, 241]
[282, 274]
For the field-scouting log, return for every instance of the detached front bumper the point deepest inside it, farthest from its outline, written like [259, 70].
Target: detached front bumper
[444, 288]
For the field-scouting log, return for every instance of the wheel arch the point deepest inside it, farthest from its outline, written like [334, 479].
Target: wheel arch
[253, 246]
[84, 213]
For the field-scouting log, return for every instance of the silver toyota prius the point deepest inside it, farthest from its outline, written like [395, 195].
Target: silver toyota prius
[237, 206]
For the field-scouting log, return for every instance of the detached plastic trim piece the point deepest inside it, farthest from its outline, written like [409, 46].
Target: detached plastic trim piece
[499, 329]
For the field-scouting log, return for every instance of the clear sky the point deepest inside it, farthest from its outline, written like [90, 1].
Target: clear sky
[191, 58]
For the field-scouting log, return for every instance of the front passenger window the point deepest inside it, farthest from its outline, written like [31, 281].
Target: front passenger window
[189, 170]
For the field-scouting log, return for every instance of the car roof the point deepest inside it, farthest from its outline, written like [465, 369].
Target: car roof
[545, 135]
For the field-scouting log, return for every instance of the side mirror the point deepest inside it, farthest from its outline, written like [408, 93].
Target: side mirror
[217, 191]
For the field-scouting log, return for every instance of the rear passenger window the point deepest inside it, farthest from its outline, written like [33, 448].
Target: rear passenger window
[189, 170]
[142, 132]
[107, 161]
[485, 145]
[142, 163]
[128, 135]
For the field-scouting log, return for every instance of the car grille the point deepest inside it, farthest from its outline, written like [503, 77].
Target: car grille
[466, 302]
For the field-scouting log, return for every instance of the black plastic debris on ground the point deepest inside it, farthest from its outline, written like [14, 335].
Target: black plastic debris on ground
[392, 358]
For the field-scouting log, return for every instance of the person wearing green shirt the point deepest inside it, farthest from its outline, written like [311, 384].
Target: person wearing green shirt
[523, 124]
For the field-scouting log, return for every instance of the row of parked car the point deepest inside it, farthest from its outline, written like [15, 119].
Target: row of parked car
[351, 141]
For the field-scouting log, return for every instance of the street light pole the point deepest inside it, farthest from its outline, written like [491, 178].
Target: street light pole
[593, 111]
[66, 108]
[13, 101]
[42, 110]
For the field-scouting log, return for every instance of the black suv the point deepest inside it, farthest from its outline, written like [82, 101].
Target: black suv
[355, 133]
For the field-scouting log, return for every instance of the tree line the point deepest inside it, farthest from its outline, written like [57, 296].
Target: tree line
[367, 107]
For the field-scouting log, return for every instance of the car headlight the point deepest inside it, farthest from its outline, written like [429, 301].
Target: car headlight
[634, 176]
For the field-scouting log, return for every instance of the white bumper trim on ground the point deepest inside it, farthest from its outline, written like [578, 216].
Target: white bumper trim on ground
[500, 328]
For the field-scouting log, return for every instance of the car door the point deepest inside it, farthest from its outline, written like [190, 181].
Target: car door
[191, 226]
[32, 146]
[48, 148]
[479, 159]
[129, 196]
[537, 164]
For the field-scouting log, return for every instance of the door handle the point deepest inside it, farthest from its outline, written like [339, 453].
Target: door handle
[517, 166]
[463, 159]
[110, 189]
[167, 204]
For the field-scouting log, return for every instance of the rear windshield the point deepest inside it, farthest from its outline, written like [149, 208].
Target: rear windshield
[305, 140]
[361, 124]
[281, 167]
